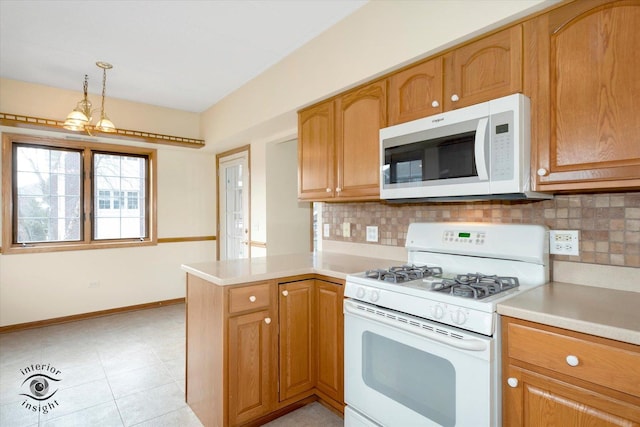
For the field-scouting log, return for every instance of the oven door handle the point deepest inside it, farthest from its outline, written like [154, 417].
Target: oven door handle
[393, 320]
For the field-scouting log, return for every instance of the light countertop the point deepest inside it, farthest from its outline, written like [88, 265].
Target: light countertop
[603, 312]
[232, 272]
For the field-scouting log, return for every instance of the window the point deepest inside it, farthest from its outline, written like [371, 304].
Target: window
[75, 195]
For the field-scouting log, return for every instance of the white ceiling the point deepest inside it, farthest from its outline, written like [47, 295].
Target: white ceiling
[179, 54]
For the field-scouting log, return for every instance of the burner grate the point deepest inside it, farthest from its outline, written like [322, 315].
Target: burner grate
[476, 286]
[404, 273]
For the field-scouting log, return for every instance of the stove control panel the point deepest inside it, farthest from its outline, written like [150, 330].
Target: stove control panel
[450, 314]
[464, 238]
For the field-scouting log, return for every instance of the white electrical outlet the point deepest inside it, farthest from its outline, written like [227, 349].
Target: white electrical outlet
[326, 230]
[346, 229]
[372, 233]
[564, 242]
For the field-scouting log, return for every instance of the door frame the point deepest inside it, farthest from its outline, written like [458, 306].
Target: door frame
[220, 156]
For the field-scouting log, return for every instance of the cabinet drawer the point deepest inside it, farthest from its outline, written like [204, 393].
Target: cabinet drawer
[249, 298]
[609, 366]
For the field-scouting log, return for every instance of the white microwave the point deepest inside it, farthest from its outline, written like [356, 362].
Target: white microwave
[476, 152]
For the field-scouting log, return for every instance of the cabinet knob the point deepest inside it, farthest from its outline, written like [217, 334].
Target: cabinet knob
[338, 189]
[267, 320]
[435, 104]
[513, 382]
[572, 360]
[328, 190]
[543, 172]
[252, 298]
[455, 98]
[285, 293]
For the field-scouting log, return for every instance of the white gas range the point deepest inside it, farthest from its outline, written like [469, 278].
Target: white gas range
[421, 337]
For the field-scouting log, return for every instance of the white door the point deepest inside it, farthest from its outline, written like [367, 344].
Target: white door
[233, 182]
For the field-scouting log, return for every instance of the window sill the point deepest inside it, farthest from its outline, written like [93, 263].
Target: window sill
[76, 246]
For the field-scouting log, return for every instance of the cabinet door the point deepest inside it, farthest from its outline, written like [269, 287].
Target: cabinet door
[415, 92]
[360, 115]
[329, 321]
[584, 77]
[537, 400]
[252, 366]
[297, 346]
[316, 152]
[488, 68]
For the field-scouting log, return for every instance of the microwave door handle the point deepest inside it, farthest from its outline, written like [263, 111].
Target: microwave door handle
[480, 147]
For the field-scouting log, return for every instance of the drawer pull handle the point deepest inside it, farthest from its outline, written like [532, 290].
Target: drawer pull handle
[572, 360]
[513, 382]
[285, 293]
[267, 320]
[252, 298]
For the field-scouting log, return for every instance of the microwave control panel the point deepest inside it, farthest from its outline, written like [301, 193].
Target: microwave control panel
[502, 146]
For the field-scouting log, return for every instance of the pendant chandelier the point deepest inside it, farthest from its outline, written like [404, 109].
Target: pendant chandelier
[80, 118]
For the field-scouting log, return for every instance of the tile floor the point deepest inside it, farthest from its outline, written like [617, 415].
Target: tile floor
[120, 370]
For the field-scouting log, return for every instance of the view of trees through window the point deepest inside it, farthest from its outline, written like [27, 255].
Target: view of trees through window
[49, 195]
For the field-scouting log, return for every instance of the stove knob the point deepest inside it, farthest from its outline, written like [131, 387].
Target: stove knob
[360, 293]
[459, 317]
[438, 311]
[375, 296]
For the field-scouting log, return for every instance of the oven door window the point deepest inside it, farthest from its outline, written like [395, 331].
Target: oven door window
[421, 381]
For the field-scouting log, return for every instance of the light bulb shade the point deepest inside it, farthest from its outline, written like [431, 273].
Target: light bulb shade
[105, 125]
[76, 121]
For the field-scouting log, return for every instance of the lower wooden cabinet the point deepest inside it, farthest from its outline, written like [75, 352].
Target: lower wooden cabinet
[297, 346]
[252, 368]
[557, 377]
[255, 349]
[311, 340]
[329, 322]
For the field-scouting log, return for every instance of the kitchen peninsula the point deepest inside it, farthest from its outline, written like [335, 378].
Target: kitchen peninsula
[264, 335]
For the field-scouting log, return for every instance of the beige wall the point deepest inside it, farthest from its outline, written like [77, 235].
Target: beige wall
[288, 221]
[380, 36]
[44, 286]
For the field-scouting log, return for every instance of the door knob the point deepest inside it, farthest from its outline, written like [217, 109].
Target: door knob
[435, 104]
[513, 382]
[543, 172]
[455, 98]
[267, 320]
[285, 293]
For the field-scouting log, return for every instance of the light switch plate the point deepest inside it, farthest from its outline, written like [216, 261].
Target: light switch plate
[564, 242]
[346, 229]
[372, 233]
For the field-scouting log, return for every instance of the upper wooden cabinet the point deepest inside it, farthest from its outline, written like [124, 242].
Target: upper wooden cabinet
[483, 70]
[582, 71]
[359, 116]
[338, 146]
[316, 152]
[415, 92]
[476, 72]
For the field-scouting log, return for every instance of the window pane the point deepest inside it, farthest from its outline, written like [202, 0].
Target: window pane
[120, 183]
[48, 202]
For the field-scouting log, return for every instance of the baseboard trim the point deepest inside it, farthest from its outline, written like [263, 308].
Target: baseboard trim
[83, 316]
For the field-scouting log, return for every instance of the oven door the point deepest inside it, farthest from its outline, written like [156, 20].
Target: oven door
[403, 371]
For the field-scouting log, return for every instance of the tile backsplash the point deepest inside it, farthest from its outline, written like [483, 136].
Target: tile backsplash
[609, 224]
